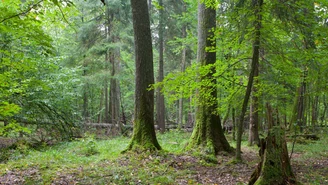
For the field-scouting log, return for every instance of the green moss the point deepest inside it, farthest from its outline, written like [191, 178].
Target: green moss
[276, 169]
[144, 138]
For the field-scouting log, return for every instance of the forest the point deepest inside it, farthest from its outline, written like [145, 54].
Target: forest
[163, 92]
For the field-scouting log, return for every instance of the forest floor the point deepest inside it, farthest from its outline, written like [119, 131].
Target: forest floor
[92, 161]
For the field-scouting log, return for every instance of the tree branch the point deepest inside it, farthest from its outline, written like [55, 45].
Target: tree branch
[22, 13]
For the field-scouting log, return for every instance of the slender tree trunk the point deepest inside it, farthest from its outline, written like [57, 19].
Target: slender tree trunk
[114, 92]
[160, 97]
[5, 122]
[106, 119]
[208, 132]
[85, 96]
[257, 5]
[109, 18]
[234, 124]
[226, 116]
[183, 67]
[301, 121]
[325, 108]
[85, 113]
[308, 45]
[254, 115]
[101, 106]
[315, 110]
[144, 136]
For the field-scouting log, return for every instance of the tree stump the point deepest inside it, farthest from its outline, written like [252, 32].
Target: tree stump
[274, 168]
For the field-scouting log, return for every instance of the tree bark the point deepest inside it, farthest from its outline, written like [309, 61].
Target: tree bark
[183, 67]
[253, 137]
[257, 5]
[100, 106]
[274, 168]
[115, 92]
[85, 96]
[109, 18]
[234, 124]
[160, 97]
[208, 132]
[144, 136]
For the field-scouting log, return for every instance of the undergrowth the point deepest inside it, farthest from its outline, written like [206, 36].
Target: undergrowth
[92, 161]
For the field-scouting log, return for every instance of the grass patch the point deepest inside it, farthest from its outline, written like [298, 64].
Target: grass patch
[92, 161]
[311, 149]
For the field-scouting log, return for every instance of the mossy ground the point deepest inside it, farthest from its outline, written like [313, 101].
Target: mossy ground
[92, 161]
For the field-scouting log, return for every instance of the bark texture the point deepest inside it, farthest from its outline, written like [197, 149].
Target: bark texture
[257, 5]
[274, 168]
[144, 136]
[208, 132]
[160, 97]
[253, 137]
[183, 67]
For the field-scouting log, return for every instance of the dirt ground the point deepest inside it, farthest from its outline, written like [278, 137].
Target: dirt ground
[225, 172]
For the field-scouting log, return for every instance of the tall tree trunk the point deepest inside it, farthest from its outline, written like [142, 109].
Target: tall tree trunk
[208, 132]
[183, 67]
[253, 137]
[301, 121]
[85, 96]
[101, 106]
[234, 124]
[160, 97]
[306, 28]
[257, 5]
[106, 119]
[115, 92]
[85, 112]
[144, 136]
[109, 18]
[325, 108]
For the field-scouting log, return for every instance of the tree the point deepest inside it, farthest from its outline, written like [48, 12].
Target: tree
[274, 167]
[144, 135]
[160, 97]
[257, 5]
[208, 131]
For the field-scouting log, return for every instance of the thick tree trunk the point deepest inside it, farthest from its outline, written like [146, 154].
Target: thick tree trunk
[208, 132]
[160, 97]
[144, 136]
[274, 168]
[257, 5]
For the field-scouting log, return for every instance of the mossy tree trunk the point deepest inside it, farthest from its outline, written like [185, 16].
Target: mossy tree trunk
[144, 137]
[208, 132]
[274, 168]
